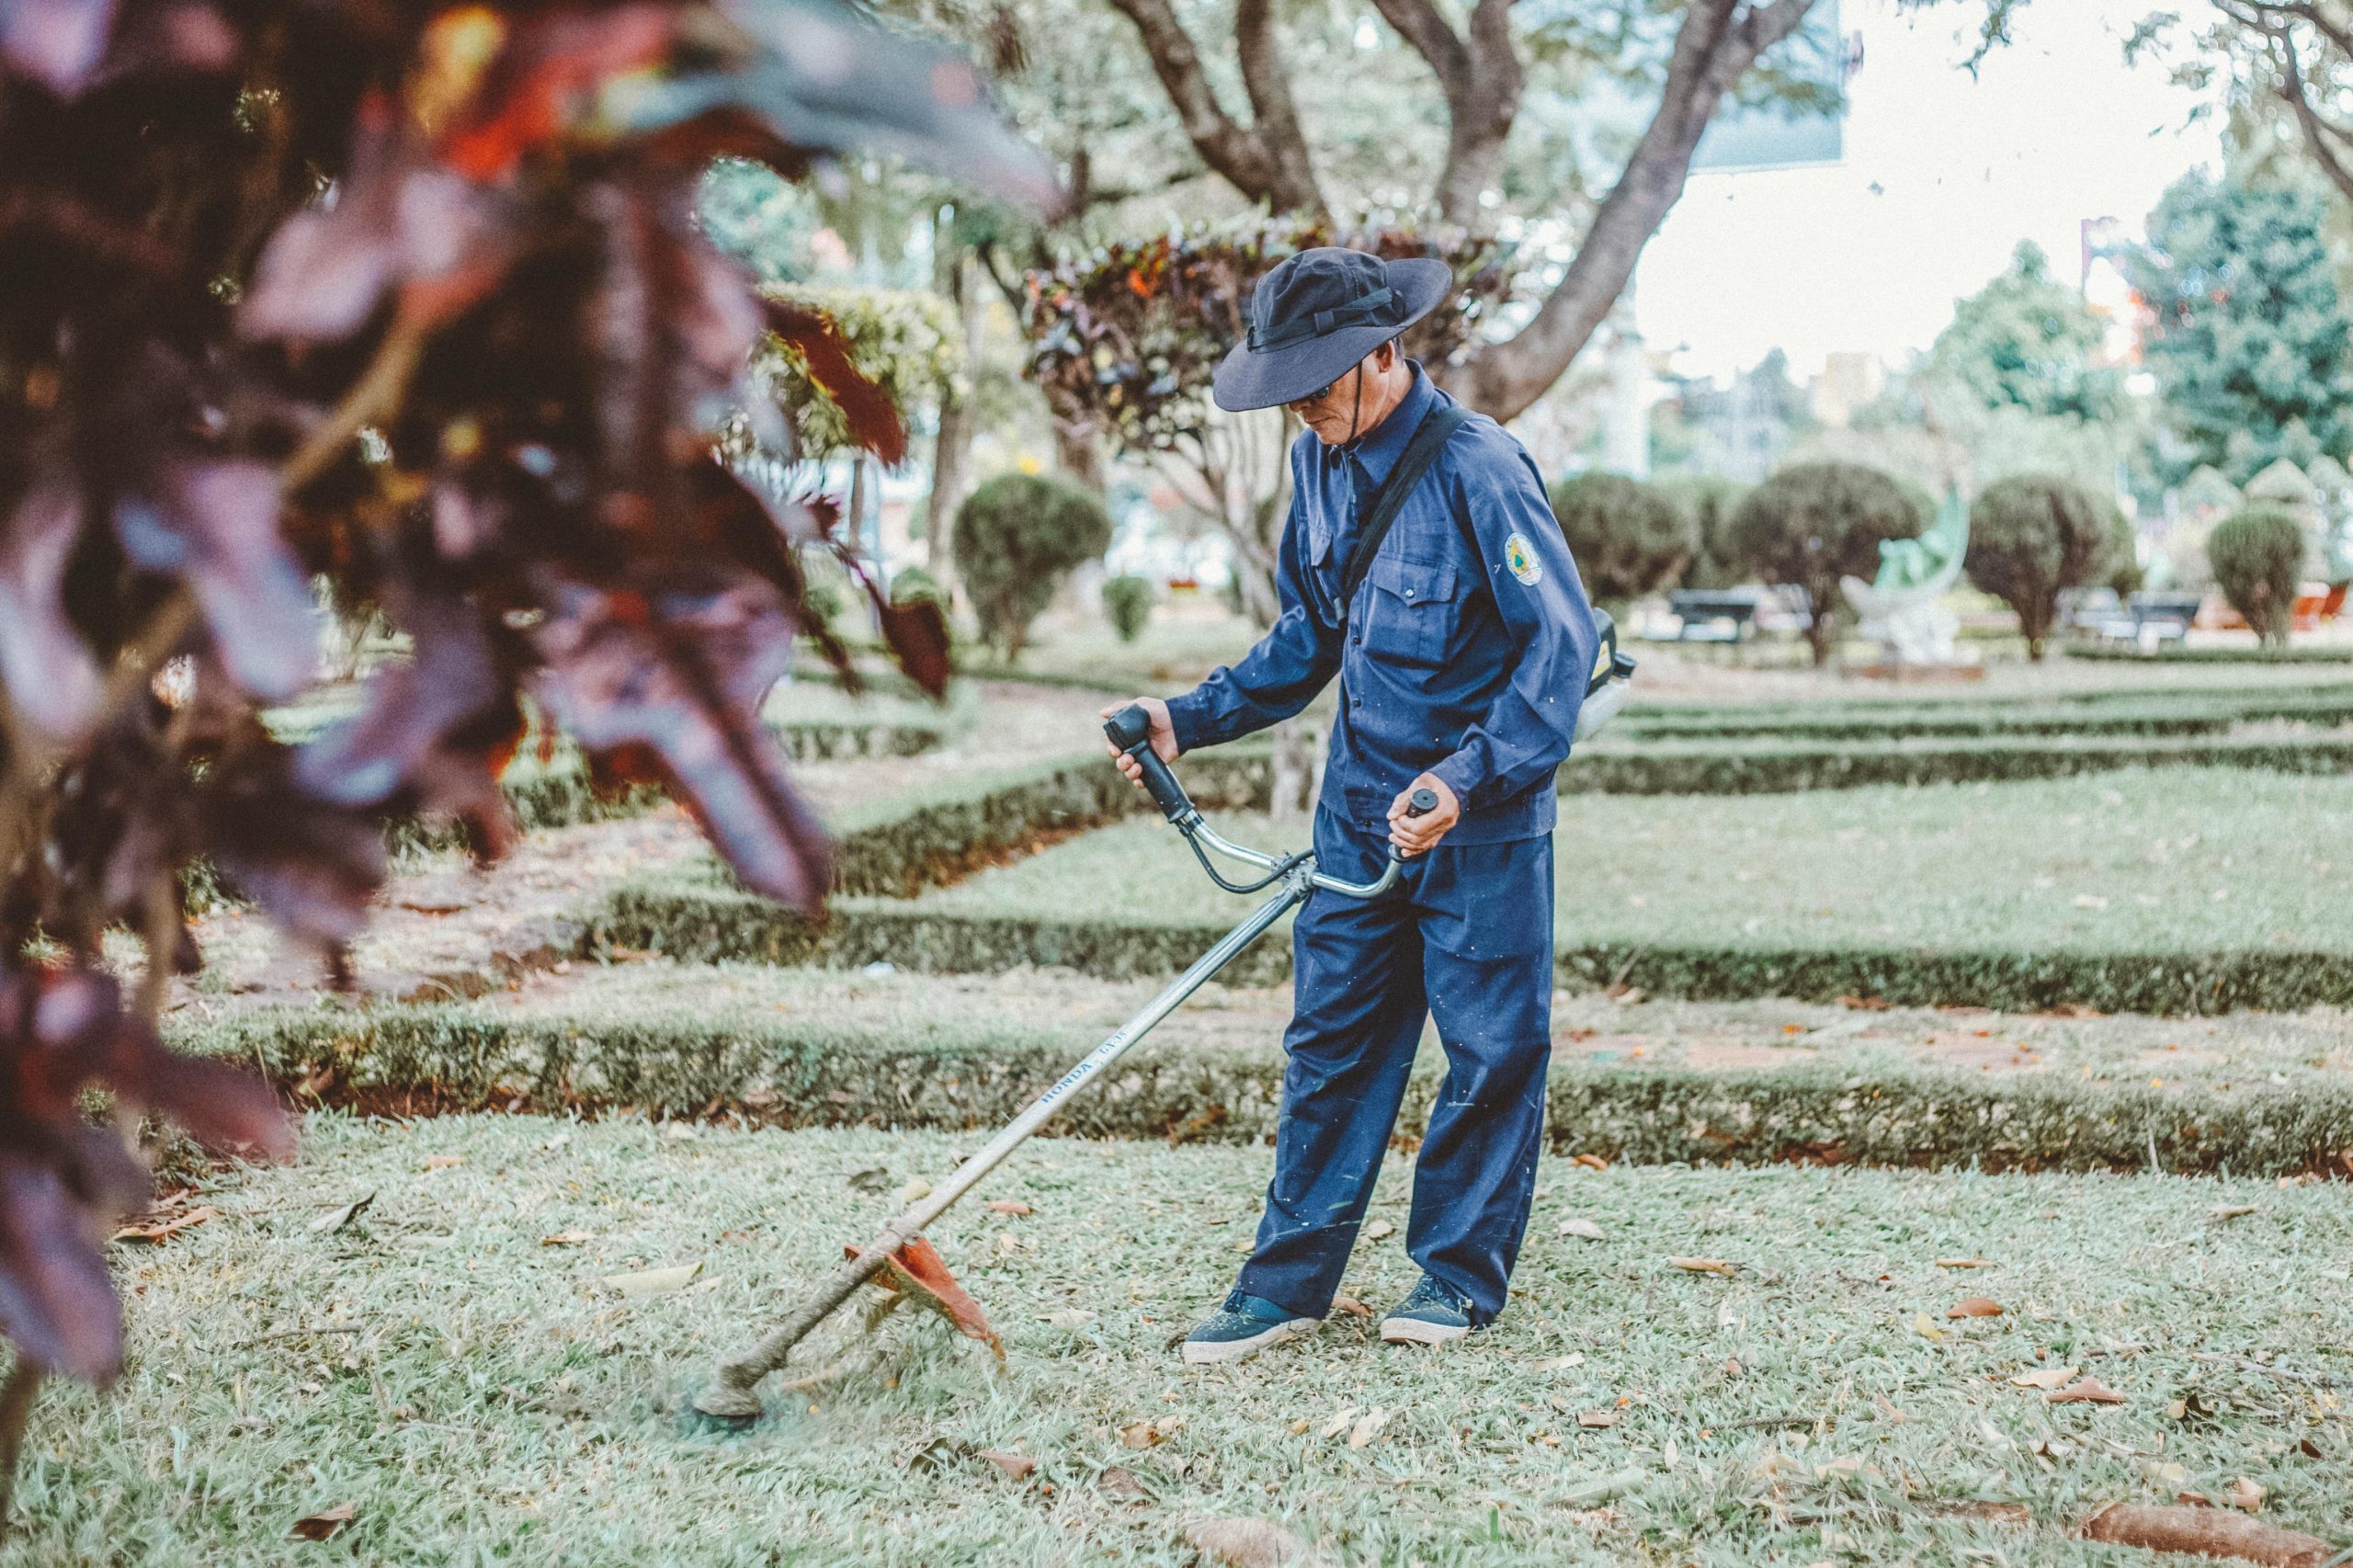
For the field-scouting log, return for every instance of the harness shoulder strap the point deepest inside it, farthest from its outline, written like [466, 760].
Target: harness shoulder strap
[1428, 439]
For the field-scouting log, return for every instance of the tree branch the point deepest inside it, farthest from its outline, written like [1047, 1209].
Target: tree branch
[2319, 135]
[1236, 152]
[1718, 40]
[1269, 85]
[1481, 79]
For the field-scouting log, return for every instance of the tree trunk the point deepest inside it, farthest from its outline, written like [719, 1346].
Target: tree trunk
[1078, 452]
[951, 453]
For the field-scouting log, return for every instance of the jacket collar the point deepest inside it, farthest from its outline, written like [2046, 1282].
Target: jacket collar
[1379, 449]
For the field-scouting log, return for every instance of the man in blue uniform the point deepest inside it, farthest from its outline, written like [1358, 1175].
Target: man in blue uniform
[1462, 654]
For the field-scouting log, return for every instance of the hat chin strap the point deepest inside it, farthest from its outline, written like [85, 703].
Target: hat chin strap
[1356, 409]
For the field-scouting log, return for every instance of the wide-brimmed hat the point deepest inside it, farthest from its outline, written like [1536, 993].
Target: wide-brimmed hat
[1318, 314]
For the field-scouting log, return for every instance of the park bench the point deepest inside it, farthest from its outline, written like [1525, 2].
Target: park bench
[2147, 620]
[1713, 615]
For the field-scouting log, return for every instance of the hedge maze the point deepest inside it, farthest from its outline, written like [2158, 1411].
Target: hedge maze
[1704, 858]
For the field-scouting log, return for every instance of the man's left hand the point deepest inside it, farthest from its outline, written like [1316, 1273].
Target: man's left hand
[1418, 836]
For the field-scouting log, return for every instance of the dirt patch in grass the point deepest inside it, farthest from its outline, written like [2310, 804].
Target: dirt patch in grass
[452, 1363]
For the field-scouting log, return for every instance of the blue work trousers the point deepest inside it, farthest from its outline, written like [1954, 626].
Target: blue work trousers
[1467, 939]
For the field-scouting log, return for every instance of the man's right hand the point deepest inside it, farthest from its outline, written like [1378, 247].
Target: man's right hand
[1163, 737]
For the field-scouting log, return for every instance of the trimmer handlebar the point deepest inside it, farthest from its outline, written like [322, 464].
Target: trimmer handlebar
[1130, 730]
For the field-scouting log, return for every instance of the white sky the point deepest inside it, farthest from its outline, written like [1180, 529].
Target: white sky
[1943, 175]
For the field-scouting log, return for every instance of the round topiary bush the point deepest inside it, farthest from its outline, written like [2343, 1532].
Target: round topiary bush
[1627, 537]
[1813, 523]
[2259, 558]
[2033, 536]
[913, 584]
[1128, 601]
[1016, 538]
[1710, 501]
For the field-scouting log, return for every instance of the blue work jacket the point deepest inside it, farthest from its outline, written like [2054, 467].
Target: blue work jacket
[1465, 654]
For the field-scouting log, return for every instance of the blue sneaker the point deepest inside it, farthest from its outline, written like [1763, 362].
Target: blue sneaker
[1431, 1315]
[1243, 1327]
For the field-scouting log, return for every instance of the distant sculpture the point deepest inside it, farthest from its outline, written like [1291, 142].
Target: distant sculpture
[1901, 607]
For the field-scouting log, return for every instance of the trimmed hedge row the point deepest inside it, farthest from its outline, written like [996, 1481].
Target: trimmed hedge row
[470, 1057]
[934, 835]
[706, 924]
[1692, 768]
[2178, 717]
[2126, 655]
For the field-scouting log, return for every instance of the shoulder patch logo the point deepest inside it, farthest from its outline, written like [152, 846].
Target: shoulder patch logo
[1520, 556]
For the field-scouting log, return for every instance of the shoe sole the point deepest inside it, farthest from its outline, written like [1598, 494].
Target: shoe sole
[1413, 1331]
[1210, 1353]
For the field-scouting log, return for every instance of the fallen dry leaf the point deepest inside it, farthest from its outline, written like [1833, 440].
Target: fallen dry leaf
[1016, 1466]
[1592, 1162]
[1887, 1408]
[1964, 1262]
[565, 1239]
[1367, 1427]
[2233, 1211]
[655, 1281]
[2245, 1494]
[1120, 1481]
[2206, 1532]
[1704, 1265]
[1008, 1206]
[1598, 1418]
[336, 1219]
[2046, 1378]
[2091, 1391]
[1975, 1307]
[1339, 1422]
[1245, 1543]
[443, 1161]
[873, 1178]
[1378, 1229]
[1070, 1317]
[1582, 1229]
[1350, 1305]
[326, 1522]
[1139, 1435]
[158, 1229]
[1925, 1326]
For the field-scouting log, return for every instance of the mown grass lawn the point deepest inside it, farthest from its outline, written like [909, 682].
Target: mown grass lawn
[2158, 859]
[451, 1365]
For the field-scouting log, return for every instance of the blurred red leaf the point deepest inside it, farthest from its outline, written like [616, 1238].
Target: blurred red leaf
[683, 674]
[809, 333]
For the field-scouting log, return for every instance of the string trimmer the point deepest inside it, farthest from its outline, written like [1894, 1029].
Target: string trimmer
[731, 1398]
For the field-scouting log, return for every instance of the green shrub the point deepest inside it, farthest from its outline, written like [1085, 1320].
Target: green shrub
[825, 598]
[915, 585]
[1812, 523]
[2032, 536]
[2258, 559]
[1016, 538]
[1128, 601]
[2121, 568]
[1709, 502]
[1626, 538]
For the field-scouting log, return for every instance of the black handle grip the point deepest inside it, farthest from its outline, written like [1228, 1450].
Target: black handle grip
[1130, 730]
[1420, 803]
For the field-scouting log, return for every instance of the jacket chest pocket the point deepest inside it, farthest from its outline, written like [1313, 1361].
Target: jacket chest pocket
[1412, 613]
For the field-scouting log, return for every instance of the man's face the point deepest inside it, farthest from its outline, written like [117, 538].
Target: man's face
[1331, 414]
